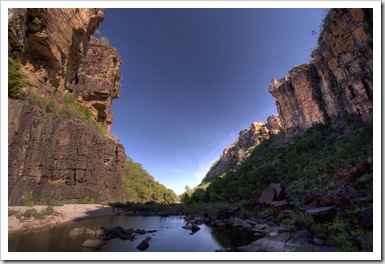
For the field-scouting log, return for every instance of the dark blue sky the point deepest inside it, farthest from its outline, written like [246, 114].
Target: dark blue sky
[193, 78]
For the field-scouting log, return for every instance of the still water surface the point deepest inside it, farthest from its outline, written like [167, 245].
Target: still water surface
[170, 236]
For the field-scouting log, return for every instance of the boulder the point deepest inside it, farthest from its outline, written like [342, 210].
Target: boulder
[89, 231]
[99, 233]
[279, 191]
[333, 200]
[322, 214]
[362, 201]
[143, 245]
[267, 195]
[228, 212]
[283, 242]
[74, 233]
[195, 228]
[219, 224]
[365, 219]
[189, 227]
[140, 231]
[268, 244]
[274, 192]
[129, 231]
[279, 205]
[92, 243]
[239, 223]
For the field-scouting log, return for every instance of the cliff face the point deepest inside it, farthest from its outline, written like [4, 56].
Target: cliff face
[54, 41]
[50, 157]
[98, 80]
[255, 135]
[338, 82]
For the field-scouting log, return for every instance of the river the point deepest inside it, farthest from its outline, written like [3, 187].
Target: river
[169, 237]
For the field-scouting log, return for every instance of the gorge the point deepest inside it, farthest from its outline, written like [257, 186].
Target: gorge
[316, 153]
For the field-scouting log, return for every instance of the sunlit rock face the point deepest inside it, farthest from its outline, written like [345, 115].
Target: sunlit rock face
[98, 80]
[52, 158]
[54, 41]
[255, 135]
[339, 80]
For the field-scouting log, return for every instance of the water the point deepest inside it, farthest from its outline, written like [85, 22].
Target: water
[170, 236]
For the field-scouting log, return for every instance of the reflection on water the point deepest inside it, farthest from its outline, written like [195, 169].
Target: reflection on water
[170, 236]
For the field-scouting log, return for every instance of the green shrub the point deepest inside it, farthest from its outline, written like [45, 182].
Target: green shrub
[36, 21]
[105, 40]
[16, 79]
[45, 104]
[49, 210]
[12, 211]
[29, 200]
[76, 109]
[30, 212]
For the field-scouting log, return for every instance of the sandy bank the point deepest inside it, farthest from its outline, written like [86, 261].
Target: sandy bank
[64, 213]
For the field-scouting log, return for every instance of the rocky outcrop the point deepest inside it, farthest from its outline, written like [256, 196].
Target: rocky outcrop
[51, 157]
[255, 135]
[98, 80]
[51, 42]
[338, 82]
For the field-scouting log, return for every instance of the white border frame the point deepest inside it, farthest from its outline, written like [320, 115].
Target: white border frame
[236, 256]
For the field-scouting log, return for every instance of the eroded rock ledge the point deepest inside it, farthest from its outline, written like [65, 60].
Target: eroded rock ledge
[339, 80]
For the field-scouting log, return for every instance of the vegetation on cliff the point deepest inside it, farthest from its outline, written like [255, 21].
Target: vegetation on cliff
[309, 162]
[16, 79]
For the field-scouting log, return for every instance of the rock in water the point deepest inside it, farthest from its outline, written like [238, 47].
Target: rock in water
[74, 233]
[143, 245]
[195, 228]
[92, 243]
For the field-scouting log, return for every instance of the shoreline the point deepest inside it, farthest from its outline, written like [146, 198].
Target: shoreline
[65, 213]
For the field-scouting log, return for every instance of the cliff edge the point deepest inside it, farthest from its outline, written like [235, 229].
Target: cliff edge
[59, 145]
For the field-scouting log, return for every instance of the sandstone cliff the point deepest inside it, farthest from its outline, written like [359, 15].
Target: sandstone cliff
[48, 156]
[338, 82]
[97, 81]
[255, 135]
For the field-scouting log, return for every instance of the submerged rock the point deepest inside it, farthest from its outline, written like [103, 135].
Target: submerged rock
[143, 245]
[92, 243]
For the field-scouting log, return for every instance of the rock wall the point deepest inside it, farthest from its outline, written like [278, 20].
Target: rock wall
[51, 42]
[339, 80]
[52, 159]
[255, 135]
[97, 81]
[49, 157]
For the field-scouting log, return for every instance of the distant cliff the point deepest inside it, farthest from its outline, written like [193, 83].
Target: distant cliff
[339, 80]
[53, 153]
[257, 133]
